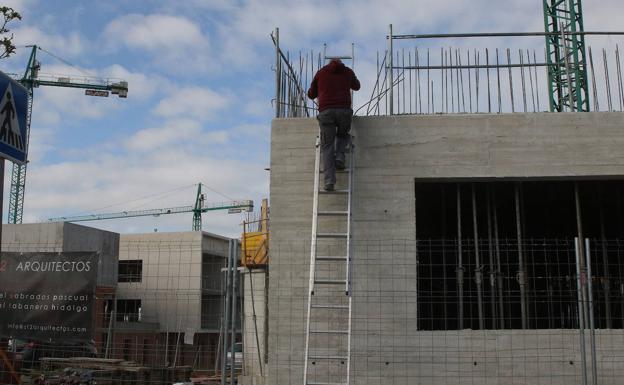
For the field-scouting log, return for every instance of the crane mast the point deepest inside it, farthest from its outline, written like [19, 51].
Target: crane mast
[31, 80]
[565, 55]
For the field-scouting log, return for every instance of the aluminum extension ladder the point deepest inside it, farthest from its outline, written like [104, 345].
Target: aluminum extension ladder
[327, 358]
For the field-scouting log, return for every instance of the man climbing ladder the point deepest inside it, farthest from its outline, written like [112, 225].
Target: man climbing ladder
[332, 84]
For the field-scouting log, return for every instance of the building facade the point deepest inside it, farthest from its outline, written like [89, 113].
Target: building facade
[464, 261]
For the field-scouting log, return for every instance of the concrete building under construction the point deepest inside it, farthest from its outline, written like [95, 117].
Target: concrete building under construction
[484, 226]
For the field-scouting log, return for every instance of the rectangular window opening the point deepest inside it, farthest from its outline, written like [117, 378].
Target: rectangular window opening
[501, 255]
[130, 271]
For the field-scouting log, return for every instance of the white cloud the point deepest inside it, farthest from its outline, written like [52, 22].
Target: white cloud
[82, 186]
[172, 41]
[174, 133]
[154, 32]
[192, 102]
[70, 44]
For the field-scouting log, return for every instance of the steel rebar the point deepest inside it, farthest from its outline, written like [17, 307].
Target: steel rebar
[511, 93]
[593, 77]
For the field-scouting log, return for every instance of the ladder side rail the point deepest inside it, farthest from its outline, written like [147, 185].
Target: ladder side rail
[349, 198]
[317, 169]
[349, 288]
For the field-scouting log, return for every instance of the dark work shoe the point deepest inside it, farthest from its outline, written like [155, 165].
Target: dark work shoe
[340, 165]
[329, 187]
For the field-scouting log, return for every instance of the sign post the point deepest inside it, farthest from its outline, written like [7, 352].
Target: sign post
[13, 128]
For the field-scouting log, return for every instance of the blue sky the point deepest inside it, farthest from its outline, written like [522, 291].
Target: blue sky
[200, 89]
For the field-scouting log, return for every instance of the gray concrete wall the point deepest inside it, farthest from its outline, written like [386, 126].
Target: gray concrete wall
[171, 285]
[391, 152]
[58, 237]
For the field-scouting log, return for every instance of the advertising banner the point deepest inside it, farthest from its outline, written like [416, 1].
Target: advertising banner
[48, 295]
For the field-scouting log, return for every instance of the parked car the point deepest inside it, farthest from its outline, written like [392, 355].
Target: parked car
[238, 357]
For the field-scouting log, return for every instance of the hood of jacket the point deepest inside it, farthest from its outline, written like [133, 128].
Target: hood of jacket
[335, 66]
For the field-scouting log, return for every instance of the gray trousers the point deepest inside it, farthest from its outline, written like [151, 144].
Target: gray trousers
[335, 124]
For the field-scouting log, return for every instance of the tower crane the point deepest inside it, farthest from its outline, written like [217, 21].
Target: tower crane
[565, 55]
[31, 80]
[200, 207]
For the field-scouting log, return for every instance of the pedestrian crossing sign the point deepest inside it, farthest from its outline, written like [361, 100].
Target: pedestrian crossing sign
[13, 116]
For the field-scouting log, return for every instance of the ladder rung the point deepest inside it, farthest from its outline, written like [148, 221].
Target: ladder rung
[326, 383]
[334, 192]
[332, 358]
[325, 258]
[332, 213]
[330, 282]
[329, 331]
[330, 307]
[331, 235]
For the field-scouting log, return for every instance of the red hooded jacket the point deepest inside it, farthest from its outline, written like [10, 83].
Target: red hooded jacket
[332, 84]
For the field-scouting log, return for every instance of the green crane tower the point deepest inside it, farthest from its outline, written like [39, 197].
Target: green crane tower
[32, 80]
[565, 55]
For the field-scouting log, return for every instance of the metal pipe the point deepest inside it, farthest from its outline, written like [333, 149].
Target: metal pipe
[460, 267]
[521, 272]
[445, 289]
[461, 76]
[489, 96]
[504, 34]
[390, 67]
[418, 80]
[478, 273]
[234, 252]
[429, 90]
[592, 329]
[607, 79]
[474, 66]
[457, 71]
[450, 59]
[619, 77]
[579, 296]
[278, 72]
[536, 85]
[221, 327]
[579, 226]
[531, 81]
[500, 108]
[606, 281]
[499, 270]
[511, 92]
[227, 315]
[477, 79]
[523, 81]
[593, 77]
[491, 258]
[469, 82]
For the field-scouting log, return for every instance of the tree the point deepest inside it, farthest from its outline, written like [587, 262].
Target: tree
[6, 42]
